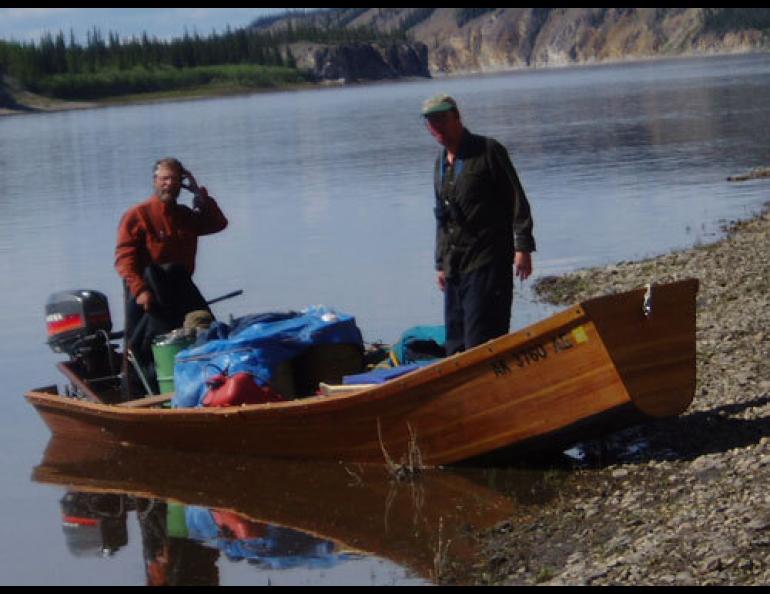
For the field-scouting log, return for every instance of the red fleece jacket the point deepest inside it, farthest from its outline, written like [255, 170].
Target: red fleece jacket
[162, 233]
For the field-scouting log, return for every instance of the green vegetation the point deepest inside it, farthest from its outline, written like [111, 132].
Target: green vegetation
[544, 574]
[62, 67]
[109, 83]
[721, 20]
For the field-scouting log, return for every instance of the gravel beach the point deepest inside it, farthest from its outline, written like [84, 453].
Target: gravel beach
[683, 501]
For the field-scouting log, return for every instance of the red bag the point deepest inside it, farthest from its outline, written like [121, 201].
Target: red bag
[237, 389]
[231, 525]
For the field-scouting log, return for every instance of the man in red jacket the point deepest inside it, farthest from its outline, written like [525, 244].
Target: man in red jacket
[155, 255]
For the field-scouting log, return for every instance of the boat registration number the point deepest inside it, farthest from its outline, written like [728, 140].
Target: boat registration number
[539, 352]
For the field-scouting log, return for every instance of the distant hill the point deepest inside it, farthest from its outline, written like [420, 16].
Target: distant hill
[362, 44]
[485, 39]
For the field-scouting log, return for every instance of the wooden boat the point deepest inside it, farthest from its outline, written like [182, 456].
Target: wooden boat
[358, 508]
[603, 364]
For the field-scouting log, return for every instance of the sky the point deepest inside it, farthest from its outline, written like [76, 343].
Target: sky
[28, 24]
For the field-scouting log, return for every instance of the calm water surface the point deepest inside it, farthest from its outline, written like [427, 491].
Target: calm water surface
[330, 201]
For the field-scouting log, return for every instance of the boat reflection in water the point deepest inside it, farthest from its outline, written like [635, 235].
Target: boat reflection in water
[182, 544]
[197, 512]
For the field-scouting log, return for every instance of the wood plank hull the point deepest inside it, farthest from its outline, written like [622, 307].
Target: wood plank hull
[600, 359]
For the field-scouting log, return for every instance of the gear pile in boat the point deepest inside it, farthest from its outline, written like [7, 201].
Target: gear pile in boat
[268, 358]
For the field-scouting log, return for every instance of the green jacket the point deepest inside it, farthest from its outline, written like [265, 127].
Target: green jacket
[482, 213]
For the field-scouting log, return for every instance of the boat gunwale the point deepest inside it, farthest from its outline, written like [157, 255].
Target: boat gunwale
[415, 380]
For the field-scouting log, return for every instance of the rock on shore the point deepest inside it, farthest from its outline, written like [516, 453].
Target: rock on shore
[691, 507]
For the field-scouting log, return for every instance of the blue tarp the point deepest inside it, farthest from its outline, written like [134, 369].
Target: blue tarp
[419, 343]
[417, 347]
[257, 345]
[380, 376]
[276, 548]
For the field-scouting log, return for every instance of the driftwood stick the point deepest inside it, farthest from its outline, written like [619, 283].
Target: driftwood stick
[756, 173]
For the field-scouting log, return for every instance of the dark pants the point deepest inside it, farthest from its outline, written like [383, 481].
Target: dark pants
[175, 295]
[477, 306]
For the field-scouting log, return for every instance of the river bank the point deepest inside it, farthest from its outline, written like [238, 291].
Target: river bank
[26, 102]
[683, 501]
[15, 100]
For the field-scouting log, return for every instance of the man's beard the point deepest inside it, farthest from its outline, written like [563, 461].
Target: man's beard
[168, 195]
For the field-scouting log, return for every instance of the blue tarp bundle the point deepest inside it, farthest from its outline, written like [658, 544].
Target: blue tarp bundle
[419, 343]
[417, 347]
[277, 548]
[257, 345]
[380, 376]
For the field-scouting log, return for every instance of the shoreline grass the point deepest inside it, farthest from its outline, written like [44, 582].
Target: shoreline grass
[111, 84]
[217, 82]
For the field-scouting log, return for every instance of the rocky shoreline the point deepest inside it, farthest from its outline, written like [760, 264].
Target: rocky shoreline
[691, 505]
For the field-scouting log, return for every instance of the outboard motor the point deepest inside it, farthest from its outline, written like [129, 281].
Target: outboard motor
[79, 324]
[73, 317]
[94, 524]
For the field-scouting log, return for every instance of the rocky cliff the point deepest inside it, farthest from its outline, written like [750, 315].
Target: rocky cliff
[361, 61]
[482, 39]
[516, 37]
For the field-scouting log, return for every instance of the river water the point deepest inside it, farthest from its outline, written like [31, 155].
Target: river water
[329, 197]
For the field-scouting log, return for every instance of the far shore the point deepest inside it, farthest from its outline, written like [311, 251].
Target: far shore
[29, 103]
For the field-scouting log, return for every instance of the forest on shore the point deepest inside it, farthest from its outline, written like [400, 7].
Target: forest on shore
[59, 66]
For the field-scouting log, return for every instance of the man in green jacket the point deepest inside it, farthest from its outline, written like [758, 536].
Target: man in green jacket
[483, 228]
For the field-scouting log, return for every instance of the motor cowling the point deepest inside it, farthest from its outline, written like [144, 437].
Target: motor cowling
[74, 318]
[94, 524]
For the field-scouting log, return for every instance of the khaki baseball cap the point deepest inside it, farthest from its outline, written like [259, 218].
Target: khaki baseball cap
[438, 104]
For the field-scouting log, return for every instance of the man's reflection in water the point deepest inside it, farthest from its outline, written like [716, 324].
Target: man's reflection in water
[95, 525]
[173, 560]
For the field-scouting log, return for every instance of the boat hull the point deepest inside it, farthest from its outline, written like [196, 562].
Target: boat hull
[603, 359]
